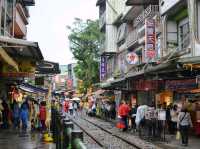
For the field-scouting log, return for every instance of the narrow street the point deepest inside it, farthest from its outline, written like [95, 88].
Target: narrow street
[99, 74]
[92, 125]
[13, 139]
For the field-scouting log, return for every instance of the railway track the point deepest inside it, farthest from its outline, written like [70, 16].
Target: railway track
[128, 142]
[88, 134]
[103, 137]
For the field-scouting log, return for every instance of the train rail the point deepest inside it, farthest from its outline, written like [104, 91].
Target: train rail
[100, 142]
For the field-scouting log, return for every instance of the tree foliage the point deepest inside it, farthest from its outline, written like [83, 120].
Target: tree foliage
[84, 44]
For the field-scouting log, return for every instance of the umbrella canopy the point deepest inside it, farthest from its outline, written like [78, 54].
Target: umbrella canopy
[75, 99]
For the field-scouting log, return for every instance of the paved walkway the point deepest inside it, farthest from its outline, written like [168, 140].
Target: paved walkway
[171, 143]
[194, 143]
[12, 139]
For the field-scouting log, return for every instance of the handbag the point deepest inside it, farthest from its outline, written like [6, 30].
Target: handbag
[178, 135]
[120, 124]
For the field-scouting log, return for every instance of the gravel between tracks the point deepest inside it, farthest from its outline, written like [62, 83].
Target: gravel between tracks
[128, 136]
[109, 141]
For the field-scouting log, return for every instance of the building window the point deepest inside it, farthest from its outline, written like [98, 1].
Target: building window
[184, 34]
[121, 34]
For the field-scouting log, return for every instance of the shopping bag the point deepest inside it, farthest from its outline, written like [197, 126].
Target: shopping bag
[178, 135]
[120, 124]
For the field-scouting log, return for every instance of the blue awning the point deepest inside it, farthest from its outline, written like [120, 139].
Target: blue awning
[32, 89]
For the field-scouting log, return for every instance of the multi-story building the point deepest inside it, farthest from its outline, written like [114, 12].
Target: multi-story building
[66, 80]
[71, 78]
[153, 52]
[18, 57]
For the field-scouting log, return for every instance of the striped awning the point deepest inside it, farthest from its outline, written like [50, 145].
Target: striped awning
[9, 60]
[32, 89]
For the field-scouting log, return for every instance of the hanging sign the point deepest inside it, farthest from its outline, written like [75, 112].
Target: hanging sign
[181, 84]
[132, 58]
[69, 83]
[103, 67]
[150, 38]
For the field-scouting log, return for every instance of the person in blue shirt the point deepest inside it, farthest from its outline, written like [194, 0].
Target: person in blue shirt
[24, 116]
[16, 114]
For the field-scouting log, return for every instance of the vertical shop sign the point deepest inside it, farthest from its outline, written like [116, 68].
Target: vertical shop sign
[103, 68]
[181, 84]
[69, 84]
[150, 39]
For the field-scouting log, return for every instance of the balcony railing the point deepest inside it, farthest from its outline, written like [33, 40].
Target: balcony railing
[102, 20]
[23, 12]
[20, 28]
[131, 38]
[150, 11]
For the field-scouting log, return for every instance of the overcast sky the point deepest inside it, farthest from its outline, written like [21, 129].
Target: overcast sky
[48, 21]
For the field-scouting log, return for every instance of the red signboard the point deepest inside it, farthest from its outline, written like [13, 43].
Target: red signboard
[17, 75]
[69, 84]
[150, 38]
[181, 84]
[145, 85]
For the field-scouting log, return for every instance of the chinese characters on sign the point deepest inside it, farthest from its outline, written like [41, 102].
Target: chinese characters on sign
[150, 39]
[103, 67]
[181, 84]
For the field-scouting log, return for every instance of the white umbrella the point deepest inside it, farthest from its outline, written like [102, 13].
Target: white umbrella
[76, 99]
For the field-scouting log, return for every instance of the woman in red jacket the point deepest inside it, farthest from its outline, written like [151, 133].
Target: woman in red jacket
[43, 115]
[123, 112]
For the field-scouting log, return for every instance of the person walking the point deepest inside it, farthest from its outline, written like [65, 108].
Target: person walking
[43, 115]
[174, 118]
[151, 120]
[24, 116]
[66, 106]
[71, 108]
[133, 116]
[124, 110]
[168, 118]
[81, 106]
[5, 113]
[75, 107]
[183, 124]
[16, 114]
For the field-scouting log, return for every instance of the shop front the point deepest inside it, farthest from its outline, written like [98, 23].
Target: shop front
[146, 90]
[186, 93]
[164, 97]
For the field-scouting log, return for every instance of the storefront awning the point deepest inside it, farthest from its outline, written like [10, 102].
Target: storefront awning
[142, 2]
[20, 48]
[29, 2]
[8, 59]
[32, 89]
[47, 67]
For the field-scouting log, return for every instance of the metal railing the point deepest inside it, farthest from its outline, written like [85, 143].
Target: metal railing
[131, 38]
[150, 11]
[64, 134]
